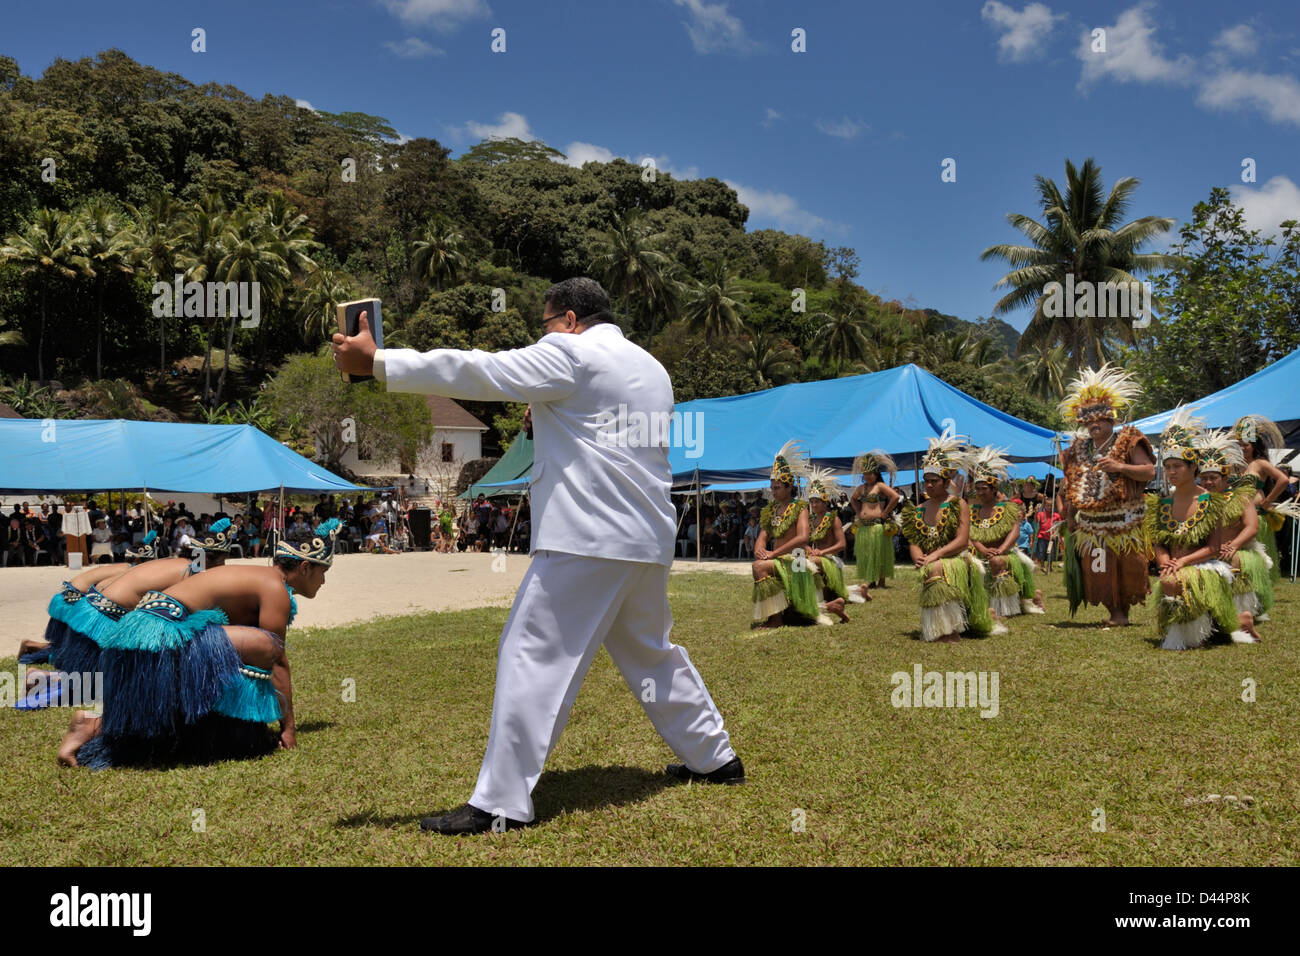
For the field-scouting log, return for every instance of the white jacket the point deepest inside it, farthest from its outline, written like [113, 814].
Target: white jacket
[598, 487]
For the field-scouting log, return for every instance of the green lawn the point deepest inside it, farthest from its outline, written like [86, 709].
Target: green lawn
[1088, 719]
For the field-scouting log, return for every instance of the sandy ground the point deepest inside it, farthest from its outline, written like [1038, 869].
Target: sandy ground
[360, 587]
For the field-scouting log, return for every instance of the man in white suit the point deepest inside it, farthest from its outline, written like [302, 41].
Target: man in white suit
[602, 544]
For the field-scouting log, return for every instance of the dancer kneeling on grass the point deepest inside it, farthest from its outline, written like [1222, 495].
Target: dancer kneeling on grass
[1252, 587]
[39, 652]
[1195, 586]
[954, 600]
[783, 580]
[994, 528]
[826, 541]
[874, 504]
[70, 617]
[181, 684]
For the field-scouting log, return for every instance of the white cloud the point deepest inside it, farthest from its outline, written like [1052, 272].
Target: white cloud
[444, 15]
[411, 47]
[782, 209]
[1025, 33]
[303, 104]
[509, 125]
[1276, 95]
[712, 29]
[1132, 53]
[1267, 206]
[843, 129]
[771, 116]
[578, 153]
[1241, 40]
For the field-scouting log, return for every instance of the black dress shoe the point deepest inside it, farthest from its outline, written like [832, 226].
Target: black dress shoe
[731, 773]
[466, 820]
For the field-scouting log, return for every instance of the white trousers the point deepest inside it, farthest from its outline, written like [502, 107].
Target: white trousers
[566, 607]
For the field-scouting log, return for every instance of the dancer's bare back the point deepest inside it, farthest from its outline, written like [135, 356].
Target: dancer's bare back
[159, 575]
[251, 596]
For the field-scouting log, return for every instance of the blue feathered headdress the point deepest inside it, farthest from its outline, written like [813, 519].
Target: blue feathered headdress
[219, 537]
[319, 550]
[147, 550]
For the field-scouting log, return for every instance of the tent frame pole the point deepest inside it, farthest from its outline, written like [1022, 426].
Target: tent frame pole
[699, 528]
[515, 520]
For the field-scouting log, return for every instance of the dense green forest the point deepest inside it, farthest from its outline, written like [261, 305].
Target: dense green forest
[115, 176]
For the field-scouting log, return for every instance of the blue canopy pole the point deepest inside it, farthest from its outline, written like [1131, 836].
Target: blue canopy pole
[699, 506]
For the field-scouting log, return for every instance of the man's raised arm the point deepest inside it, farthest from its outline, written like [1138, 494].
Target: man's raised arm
[544, 372]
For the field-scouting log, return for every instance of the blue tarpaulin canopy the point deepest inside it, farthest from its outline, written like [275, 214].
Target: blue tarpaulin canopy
[1273, 391]
[74, 455]
[734, 438]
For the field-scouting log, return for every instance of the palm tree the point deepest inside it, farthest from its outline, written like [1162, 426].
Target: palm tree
[713, 305]
[769, 361]
[107, 244]
[252, 255]
[628, 262]
[841, 339]
[47, 248]
[318, 303]
[1082, 237]
[155, 247]
[1044, 370]
[438, 253]
[287, 229]
[200, 252]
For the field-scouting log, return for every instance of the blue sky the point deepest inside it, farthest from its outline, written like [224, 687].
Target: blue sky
[843, 142]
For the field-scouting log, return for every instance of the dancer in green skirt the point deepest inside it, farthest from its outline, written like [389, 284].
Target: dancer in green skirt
[783, 579]
[1252, 587]
[826, 541]
[954, 600]
[1257, 435]
[994, 527]
[874, 504]
[1195, 593]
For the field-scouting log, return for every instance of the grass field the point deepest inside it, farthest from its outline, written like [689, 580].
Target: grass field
[1088, 720]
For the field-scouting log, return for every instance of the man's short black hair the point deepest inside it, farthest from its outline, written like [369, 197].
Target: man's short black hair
[286, 563]
[584, 296]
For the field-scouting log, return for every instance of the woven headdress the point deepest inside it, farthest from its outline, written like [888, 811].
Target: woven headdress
[218, 538]
[1100, 393]
[147, 550]
[319, 550]
[791, 463]
[990, 466]
[948, 455]
[824, 485]
[877, 461]
[1220, 452]
[1253, 428]
[1182, 437]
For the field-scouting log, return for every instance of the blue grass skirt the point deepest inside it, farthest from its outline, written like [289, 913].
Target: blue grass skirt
[166, 668]
[87, 624]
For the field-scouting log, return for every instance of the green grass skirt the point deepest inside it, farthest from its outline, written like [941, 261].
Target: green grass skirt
[786, 588]
[1268, 539]
[1189, 619]
[1255, 577]
[873, 550]
[957, 601]
[830, 576]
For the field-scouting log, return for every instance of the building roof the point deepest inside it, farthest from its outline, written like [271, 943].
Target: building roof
[445, 413]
